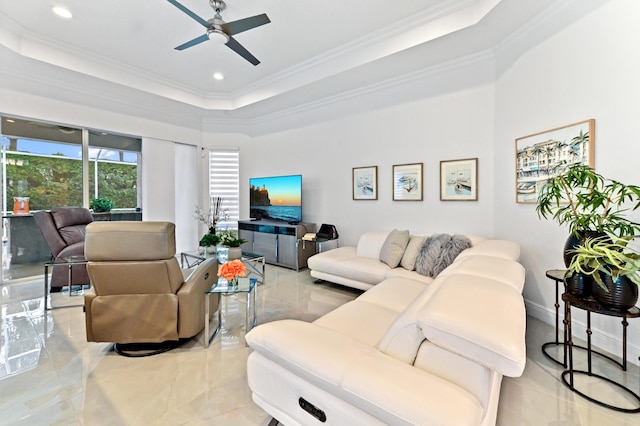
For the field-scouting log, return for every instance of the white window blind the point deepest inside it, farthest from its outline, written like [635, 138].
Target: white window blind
[224, 181]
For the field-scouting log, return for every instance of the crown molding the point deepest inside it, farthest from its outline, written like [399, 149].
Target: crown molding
[441, 18]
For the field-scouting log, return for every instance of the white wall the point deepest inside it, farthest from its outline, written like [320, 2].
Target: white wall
[186, 186]
[453, 126]
[588, 70]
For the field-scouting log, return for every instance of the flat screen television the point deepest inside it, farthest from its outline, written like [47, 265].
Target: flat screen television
[276, 198]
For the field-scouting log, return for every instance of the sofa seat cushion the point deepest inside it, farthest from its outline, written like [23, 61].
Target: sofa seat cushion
[362, 321]
[396, 393]
[463, 316]
[362, 269]
[393, 293]
[326, 260]
[412, 275]
[343, 262]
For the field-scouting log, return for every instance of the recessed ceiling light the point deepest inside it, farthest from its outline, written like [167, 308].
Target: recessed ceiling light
[218, 76]
[62, 12]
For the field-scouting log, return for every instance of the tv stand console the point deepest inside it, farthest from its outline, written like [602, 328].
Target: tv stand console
[278, 242]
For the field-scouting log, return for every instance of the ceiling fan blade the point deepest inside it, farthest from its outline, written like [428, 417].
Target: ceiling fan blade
[190, 13]
[240, 50]
[245, 24]
[193, 42]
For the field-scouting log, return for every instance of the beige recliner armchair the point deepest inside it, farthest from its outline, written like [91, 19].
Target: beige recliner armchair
[140, 299]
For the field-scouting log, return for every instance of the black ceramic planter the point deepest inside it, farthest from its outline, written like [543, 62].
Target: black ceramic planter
[579, 285]
[574, 241]
[621, 294]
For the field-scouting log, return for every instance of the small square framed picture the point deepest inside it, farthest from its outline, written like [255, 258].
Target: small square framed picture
[407, 182]
[365, 183]
[459, 180]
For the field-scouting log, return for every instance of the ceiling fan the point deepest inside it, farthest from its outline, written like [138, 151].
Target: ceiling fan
[217, 28]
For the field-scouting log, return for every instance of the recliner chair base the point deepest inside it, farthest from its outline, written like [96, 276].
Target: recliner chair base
[138, 350]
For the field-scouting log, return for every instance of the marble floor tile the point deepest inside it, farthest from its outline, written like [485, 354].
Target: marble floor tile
[50, 374]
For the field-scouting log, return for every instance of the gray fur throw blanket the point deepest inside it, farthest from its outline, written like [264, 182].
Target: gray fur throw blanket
[439, 251]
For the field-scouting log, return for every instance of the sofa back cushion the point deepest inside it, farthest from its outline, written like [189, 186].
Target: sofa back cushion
[370, 244]
[393, 247]
[408, 261]
[479, 318]
[498, 248]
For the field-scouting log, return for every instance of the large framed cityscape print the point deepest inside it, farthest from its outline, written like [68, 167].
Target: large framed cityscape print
[545, 154]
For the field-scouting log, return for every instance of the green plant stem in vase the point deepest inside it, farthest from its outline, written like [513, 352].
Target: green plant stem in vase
[209, 240]
[229, 238]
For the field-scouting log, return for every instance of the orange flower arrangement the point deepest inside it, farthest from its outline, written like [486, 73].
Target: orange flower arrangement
[231, 270]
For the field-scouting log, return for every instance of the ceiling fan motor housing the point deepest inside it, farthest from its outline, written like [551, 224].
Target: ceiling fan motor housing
[218, 5]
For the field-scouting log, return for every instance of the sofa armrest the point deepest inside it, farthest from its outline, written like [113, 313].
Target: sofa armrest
[391, 390]
[480, 319]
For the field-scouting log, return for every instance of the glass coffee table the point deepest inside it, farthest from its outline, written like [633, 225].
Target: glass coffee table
[248, 286]
[254, 262]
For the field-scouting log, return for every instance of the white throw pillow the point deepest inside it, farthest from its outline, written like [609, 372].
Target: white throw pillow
[408, 261]
[393, 247]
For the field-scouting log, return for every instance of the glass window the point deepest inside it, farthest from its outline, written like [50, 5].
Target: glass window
[44, 167]
[114, 174]
[49, 173]
[224, 182]
[44, 161]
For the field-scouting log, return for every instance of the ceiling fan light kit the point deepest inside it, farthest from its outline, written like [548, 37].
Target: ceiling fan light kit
[221, 31]
[217, 36]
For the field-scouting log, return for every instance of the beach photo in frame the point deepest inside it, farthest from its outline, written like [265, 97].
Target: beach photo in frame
[545, 154]
[459, 180]
[365, 183]
[407, 182]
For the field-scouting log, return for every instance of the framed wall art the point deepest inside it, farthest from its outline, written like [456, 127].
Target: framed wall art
[407, 182]
[365, 183]
[545, 154]
[459, 180]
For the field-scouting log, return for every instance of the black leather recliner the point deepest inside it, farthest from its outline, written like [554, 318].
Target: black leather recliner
[64, 231]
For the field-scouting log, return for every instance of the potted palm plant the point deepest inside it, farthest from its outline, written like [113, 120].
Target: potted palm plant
[593, 207]
[589, 203]
[613, 266]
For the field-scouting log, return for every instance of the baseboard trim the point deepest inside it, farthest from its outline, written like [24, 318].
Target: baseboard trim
[602, 340]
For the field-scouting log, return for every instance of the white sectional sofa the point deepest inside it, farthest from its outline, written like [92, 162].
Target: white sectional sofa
[411, 350]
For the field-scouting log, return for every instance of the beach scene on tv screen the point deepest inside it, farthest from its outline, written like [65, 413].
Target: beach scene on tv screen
[277, 198]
